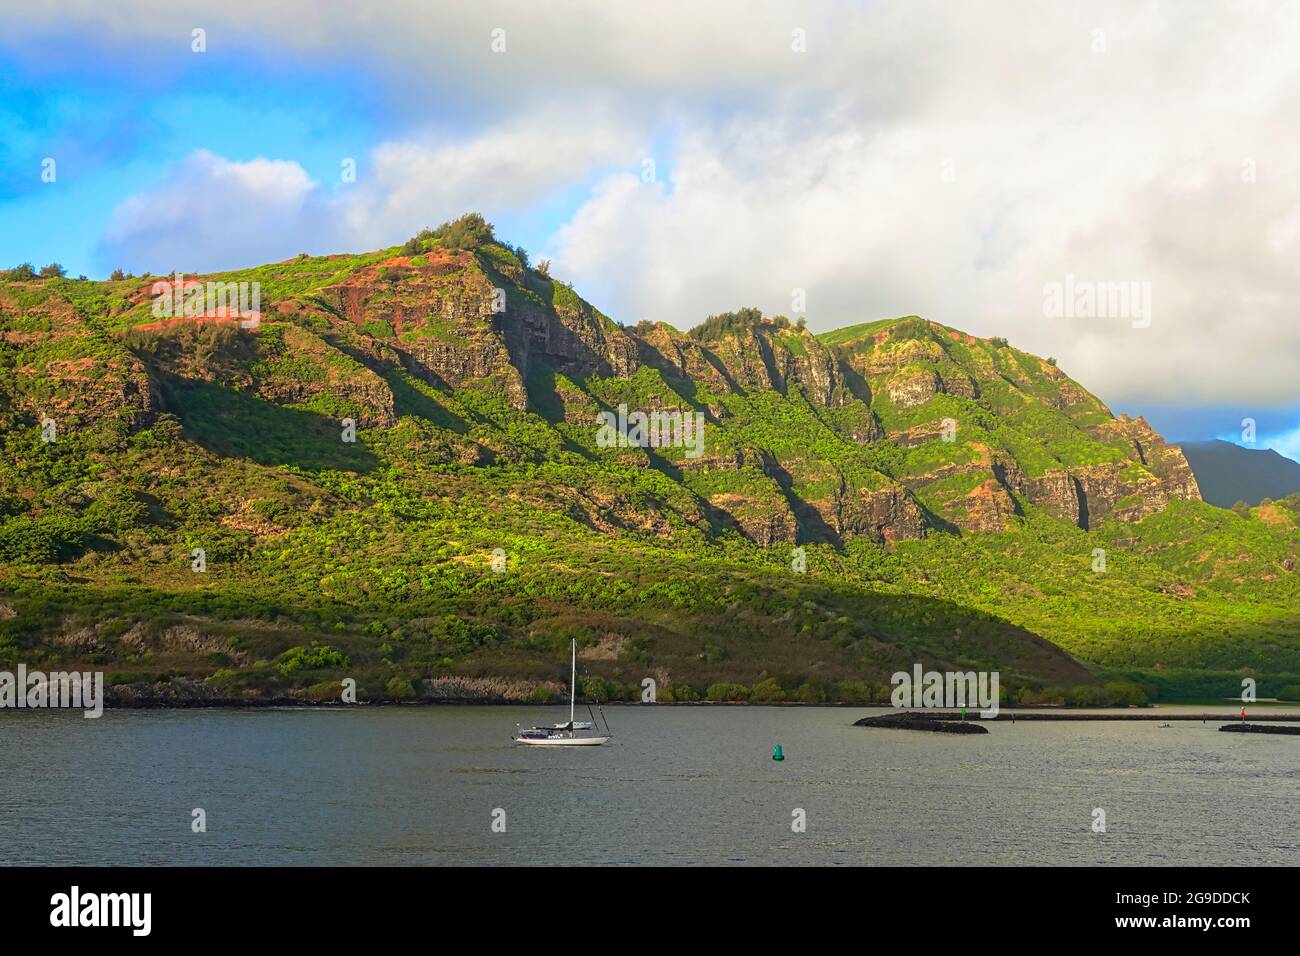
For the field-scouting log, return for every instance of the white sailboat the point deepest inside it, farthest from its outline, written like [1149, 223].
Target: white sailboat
[570, 733]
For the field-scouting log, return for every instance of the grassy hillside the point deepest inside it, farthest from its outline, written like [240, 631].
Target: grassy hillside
[945, 496]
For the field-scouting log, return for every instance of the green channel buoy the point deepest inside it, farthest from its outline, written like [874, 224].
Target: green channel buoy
[776, 753]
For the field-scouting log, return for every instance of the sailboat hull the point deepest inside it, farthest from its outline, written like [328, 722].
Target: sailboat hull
[563, 735]
[562, 741]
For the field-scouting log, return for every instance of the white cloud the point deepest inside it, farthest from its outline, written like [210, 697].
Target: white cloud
[1115, 166]
[824, 170]
[1284, 443]
[211, 213]
[551, 48]
[423, 180]
[215, 213]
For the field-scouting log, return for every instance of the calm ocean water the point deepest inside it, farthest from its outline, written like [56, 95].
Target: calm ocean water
[683, 785]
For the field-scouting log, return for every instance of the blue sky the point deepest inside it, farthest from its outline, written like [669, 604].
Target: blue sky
[886, 159]
[1275, 429]
[113, 133]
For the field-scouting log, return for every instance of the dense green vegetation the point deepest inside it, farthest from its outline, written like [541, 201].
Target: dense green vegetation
[198, 512]
[743, 320]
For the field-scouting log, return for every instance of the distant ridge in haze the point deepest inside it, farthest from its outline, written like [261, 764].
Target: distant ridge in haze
[1228, 473]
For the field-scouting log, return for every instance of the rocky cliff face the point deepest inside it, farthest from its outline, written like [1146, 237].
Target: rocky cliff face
[961, 406]
[890, 514]
[458, 322]
[760, 358]
[1165, 461]
[1125, 490]
[820, 374]
[887, 431]
[436, 313]
[59, 368]
[1057, 492]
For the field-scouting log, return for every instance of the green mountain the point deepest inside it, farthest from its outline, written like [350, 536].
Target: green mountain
[181, 506]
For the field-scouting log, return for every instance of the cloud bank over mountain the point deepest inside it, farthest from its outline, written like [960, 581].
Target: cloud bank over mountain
[883, 159]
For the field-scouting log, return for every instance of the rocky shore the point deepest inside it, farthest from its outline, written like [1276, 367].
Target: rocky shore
[187, 692]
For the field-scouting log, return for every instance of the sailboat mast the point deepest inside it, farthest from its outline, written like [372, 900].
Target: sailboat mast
[573, 678]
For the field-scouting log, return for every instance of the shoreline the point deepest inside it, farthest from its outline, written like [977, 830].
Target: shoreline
[1150, 712]
[1077, 715]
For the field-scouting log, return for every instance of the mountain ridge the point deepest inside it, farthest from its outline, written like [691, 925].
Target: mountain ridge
[475, 382]
[1233, 474]
[431, 315]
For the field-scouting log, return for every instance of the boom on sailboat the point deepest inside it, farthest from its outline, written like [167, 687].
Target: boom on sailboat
[570, 733]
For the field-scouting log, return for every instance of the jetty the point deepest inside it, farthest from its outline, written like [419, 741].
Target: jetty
[912, 720]
[1145, 714]
[1238, 727]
